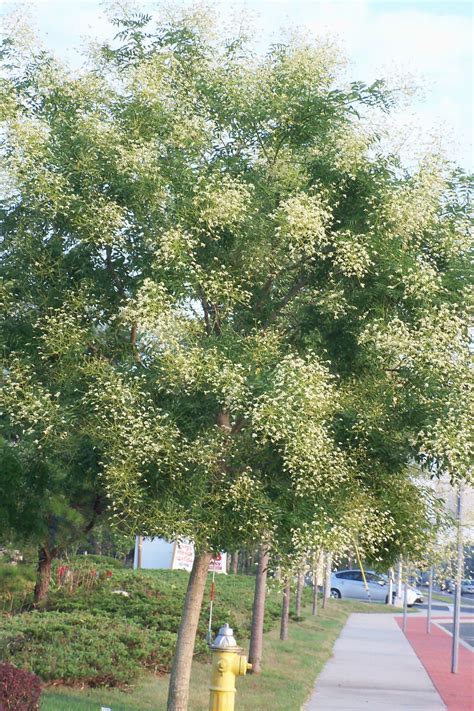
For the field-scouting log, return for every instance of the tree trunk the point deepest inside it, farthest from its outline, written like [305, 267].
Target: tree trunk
[327, 578]
[327, 591]
[43, 578]
[258, 612]
[139, 552]
[299, 593]
[178, 692]
[314, 609]
[285, 612]
[399, 579]
[247, 563]
[235, 562]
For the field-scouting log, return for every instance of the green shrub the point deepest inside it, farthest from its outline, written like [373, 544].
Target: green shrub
[16, 586]
[83, 648]
[16, 579]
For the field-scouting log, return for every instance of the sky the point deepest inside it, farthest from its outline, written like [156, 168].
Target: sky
[428, 42]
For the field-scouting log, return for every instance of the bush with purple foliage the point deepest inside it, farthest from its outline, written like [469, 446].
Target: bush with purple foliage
[20, 690]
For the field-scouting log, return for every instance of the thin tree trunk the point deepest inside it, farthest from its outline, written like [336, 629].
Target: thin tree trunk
[299, 593]
[327, 578]
[327, 591]
[314, 609]
[43, 578]
[285, 612]
[235, 562]
[139, 552]
[258, 612]
[399, 578]
[249, 564]
[178, 692]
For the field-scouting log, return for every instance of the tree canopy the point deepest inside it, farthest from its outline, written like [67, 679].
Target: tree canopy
[221, 285]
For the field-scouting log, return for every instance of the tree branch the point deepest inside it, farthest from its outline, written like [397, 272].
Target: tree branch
[295, 289]
[111, 269]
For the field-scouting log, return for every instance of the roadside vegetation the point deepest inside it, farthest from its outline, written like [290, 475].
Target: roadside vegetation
[107, 634]
[234, 316]
[104, 626]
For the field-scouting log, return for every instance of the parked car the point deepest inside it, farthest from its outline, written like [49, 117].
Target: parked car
[467, 586]
[448, 586]
[350, 584]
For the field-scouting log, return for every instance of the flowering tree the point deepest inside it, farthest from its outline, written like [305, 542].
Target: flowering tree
[201, 249]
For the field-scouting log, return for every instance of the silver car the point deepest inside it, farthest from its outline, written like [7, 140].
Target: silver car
[350, 584]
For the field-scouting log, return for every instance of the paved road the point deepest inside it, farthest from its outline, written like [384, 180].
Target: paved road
[466, 600]
[439, 607]
[466, 631]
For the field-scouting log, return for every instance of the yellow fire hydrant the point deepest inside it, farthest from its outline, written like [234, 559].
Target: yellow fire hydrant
[227, 663]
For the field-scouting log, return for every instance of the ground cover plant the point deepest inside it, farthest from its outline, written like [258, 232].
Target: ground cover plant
[106, 633]
[289, 669]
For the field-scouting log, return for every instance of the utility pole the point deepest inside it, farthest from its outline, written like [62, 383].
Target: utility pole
[457, 593]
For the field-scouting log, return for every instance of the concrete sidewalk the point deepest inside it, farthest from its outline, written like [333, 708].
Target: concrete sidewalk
[373, 667]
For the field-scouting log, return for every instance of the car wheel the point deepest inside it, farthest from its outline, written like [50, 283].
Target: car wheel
[394, 595]
[335, 594]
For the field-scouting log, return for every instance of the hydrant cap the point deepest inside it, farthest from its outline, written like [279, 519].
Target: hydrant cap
[225, 638]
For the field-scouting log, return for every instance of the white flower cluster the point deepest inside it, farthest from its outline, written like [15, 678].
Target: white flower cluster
[222, 201]
[303, 225]
[30, 405]
[352, 257]
[293, 414]
[412, 209]
[422, 281]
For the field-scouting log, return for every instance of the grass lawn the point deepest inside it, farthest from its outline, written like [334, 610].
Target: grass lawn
[289, 671]
[441, 597]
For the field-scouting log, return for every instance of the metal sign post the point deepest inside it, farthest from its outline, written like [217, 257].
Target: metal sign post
[457, 593]
[430, 597]
[405, 607]
[362, 571]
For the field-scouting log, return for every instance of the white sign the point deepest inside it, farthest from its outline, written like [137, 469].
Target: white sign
[183, 556]
[158, 553]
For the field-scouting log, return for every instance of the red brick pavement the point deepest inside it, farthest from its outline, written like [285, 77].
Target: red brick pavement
[434, 652]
